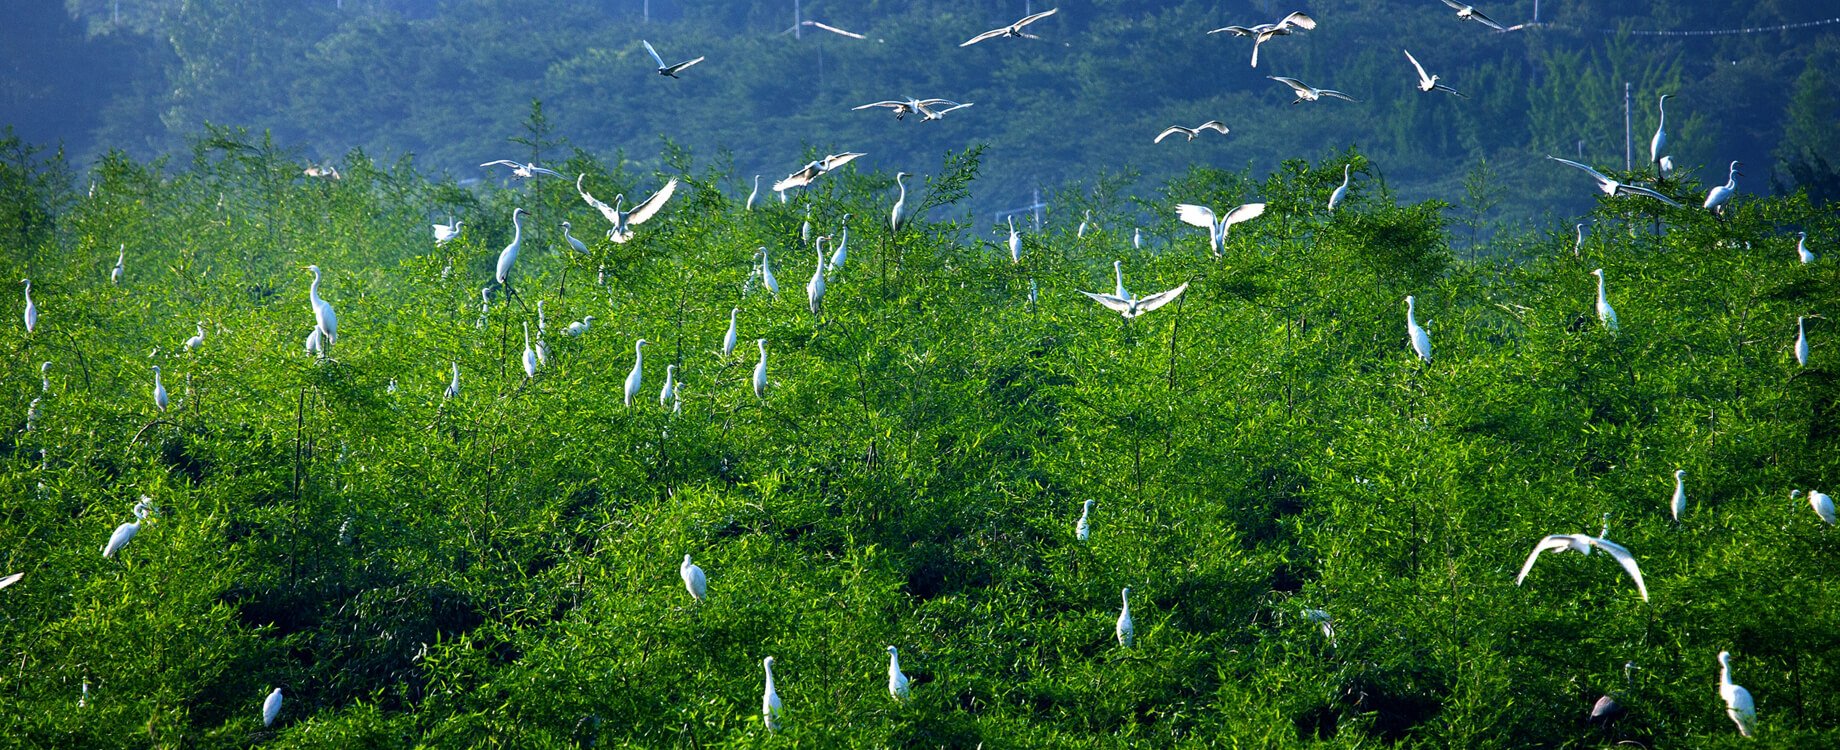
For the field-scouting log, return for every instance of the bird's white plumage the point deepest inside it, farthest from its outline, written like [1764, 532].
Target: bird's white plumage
[760, 371]
[728, 340]
[1421, 341]
[10, 580]
[1469, 13]
[453, 386]
[125, 532]
[841, 254]
[271, 707]
[1677, 506]
[579, 327]
[1082, 529]
[755, 194]
[897, 682]
[1214, 125]
[1341, 191]
[1582, 543]
[521, 170]
[769, 701]
[1307, 93]
[637, 377]
[1822, 504]
[1801, 250]
[445, 233]
[1204, 217]
[898, 216]
[815, 169]
[1125, 629]
[694, 579]
[197, 340]
[667, 70]
[1738, 703]
[121, 262]
[1015, 243]
[1012, 30]
[1801, 343]
[1720, 197]
[766, 272]
[624, 221]
[159, 390]
[814, 289]
[574, 244]
[1085, 220]
[668, 393]
[1262, 33]
[1615, 188]
[1429, 83]
[1605, 313]
[530, 355]
[323, 315]
[1659, 142]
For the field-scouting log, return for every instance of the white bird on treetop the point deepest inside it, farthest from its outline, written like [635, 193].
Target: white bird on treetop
[1605, 312]
[1678, 505]
[453, 387]
[579, 327]
[637, 376]
[1660, 140]
[1012, 30]
[522, 171]
[1582, 543]
[530, 355]
[570, 238]
[760, 371]
[1087, 219]
[1204, 217]
[1720, 197]
[159, 391]
[624, 221]
[1802, 251]
[197, 340]
[1082, 529]
[897, 682]
[898, 216]
[1421, 341]
[814, 289]
[31, 308]
[728, 340]
[1801, 343]
[120, 266]
[1738, 703]
[669, 393]
[1822, 504]
[841, 254]
[667, 70]
[1340, 192]
[694, 580]
[769, 701]
[271, 707]
[1125, 630]
[323, 316]
[1015, 242]
[766, 272]
[509, 255]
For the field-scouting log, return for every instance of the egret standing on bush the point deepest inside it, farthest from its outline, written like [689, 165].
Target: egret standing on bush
[1340, 192]
[637, 376]
[1822, 504]
[1801, 343]
[694, 580]
[121, 261]
[1082, 529]
[1605, 312]
[814, 289]
[324, 318]
[453, 387]
[271, 707]
[509, 255]
[897, 682]
[159, 391]
[197, 340]
[1720, 197]
[1421, 341]
[769, 701]
[1801, 249]
[125, 532]
[530, 355]
[898, 216]
[1127, 633]
[760, 371]
[1678, 505]
[669, 393]
[728, 341]
[1738, 704]
[31, 308]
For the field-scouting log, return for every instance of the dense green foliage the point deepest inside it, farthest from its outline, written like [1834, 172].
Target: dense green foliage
[446, 81]
[500, 568]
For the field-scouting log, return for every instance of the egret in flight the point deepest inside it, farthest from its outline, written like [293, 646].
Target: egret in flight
[1614, 188]
[159, 391]
[1801, 343]
[125, 532]
[453, 386]
[1126, 632]
[898, 216]
[929, 113]
[897, 682]
[570, 238]
[1720, 197]
[668, 394]
[445, 233]
[637, 376]
[760, 371]
[624, 221]
[1738, 703]
[523, 171]
[1678, 505]
[1214, 125]
[197, 340]
[1131, 306]
[1469, 13]
[530, 355]
[667, 70]
[1012, 30]
[1263, 33]
[1082, 529]
[1307, 93]
[815, 169]
[271, 707]
[1605, 312]
[323, 317]
[1340, 192]
[1202, 216]
[509, 255]
[1429, 83]
[1660, 140]
[728, 340]
[1582, 543]
[769, 701]
[1421, 341]
[31, 307]
[903, 107]
[120, 266]
[694, 580]
[755, 194]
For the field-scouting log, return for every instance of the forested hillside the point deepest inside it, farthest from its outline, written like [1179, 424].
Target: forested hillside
[450, 81]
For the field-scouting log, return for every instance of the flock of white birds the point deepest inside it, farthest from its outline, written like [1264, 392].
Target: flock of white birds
[623, 228]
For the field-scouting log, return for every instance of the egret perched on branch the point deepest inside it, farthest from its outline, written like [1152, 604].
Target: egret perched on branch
[1082, 529]
[271, 707]
[1263, 33]
[159, 391]
[1579, 245]
[898, 216]
[1738, 703]
[815, 169]
[1605, 312]
[728, 341]
[579, 327]
[1801, 249]
[1720, 197]
[667, 70]
[1614, 188]
[530, 355]
[1427, 82]
[1801, 343]
[1307, 93]
[637, 376]
[1015, 242]
[196, 340]
[1582, 543]
[1085, 220]
[897, 682]
[1126, 632]
[1202, 216]
[766, 272]
[623, 222]
[694, 580]
[445, 233]
[323, 317]
[760, 371]
[1012, 30]
[31, 307]
[841, 254]
[314, 346]
[453, 387]
[805, 228]
[570, 238]
[755, 194]
[669, 393]
[523, 171]
[1822, 504]
[1660, 140]
[121, 261]
[1469, 13]
[1342, 191]
[769, 701]
[814, 289]
[1421, 341]
[125, 532]
[1678, 505]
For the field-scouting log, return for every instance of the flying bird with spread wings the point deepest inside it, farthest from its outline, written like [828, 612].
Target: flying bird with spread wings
[1191, 132]
[1429, 83]
[1306, 93]
[624, 221]
[1012, 30]
[815, 169]
[1615, 188]
[1263, 33]
[667, 70]
[523, 171]
[1469, 13]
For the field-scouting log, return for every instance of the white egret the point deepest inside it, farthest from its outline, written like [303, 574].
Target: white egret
[453, 386]
[31, 307]
[1082, 529]
[314, 347]
[1801, 343]
[196, 340]
[1191, 131]
[1469, 13]
[1801, 249]
[1342, 191]
[760, 371]
[902, 108]
[44, 377]
[542, 352]
[1137, 238]
[813, 170]
[1582, 543]
[445, 233]
[1429, 83]
[814, 289]
[728, 341]
[1323, 621]
[755, 194]
[1720, 197]
[1307, 93]
[523, 171]
[1263, 33]
[159, 391]
[1012, 30]
[928, 113]
[898, 216]
[1202, 216]
[530, 355]
[121, 261]
[271, 707]
[125, 532]
[1667, 165]
[392, 388]
[1578, 246]
[1085, 220]
[769, 701]
[1822, 504]
[766, 272]
[1605, 312]
[694, 580]
[1678, 505]
[1133, 306]
[669, 393]
[1015, 242]
[10, 580]
[667, 70]
[323, 316]
[805, 228]
[1615, 188]
[579, 327]
[1738, 703]
[624, 221]
[1660, 140]
[1421, 341]
[841, 254]
[542, 321]
[570, 238]
[637, 376]
[1126, 632]
[897, 682]
[485, 306]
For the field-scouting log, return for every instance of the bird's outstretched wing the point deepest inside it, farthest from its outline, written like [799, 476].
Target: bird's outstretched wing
[505, 162]
[1455, 5]
[800, 178]
[654, 54]
[937, 113]
[837, 160]
[1172, 130]
[10, 580]
[1193, 215]
[1423, 78]
[1622, 189]
[985, 35]
[606, 210]
[835, 30]
[1235, 30]
[1212, 125]
[1299, 20]
[534, 169]
[1031, 19]
[1625, 559]
[1337, 94]
[1111, 303]
[1442, 87]
[1594, 173]
[1160, 299]
[1291, 82]
[650, 206]
[888, 104]
[932, 102]
[1243, 213]
[1555, 541]
[1485, 20]
[685, 64]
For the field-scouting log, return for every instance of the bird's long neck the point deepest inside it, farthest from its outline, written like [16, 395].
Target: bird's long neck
[1118, 271]
[313, 291]
[1661, 105]
[1731, 179]
[903, 186]
[1725, 673]
[1600, 289]
[769, 667]
[1412, 313]
[156, 377]
[517, 229]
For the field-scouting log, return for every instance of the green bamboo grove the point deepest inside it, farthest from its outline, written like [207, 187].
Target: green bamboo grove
[1321, 532]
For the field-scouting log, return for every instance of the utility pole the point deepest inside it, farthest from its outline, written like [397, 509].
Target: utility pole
[1536, 11]
[1629, 138]
[798, 21]
[646, 11]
